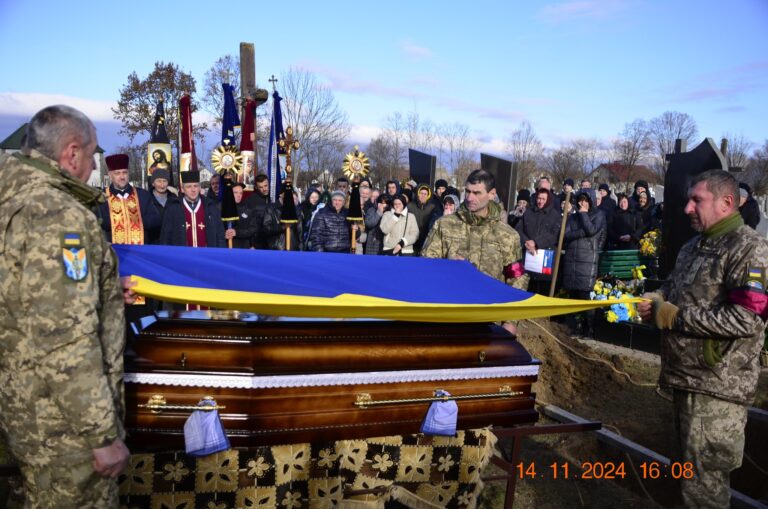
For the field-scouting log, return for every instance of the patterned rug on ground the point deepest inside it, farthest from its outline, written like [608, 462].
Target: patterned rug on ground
[414, 471]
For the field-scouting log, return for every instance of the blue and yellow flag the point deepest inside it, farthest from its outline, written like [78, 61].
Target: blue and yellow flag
[331, 285]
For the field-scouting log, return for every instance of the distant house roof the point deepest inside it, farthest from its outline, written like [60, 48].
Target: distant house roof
[623, 173]
[13, 142]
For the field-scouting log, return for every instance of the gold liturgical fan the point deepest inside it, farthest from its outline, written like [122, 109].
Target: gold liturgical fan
[227, 158]
[356, 165]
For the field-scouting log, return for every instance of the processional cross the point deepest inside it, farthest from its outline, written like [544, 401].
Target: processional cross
[289, 144]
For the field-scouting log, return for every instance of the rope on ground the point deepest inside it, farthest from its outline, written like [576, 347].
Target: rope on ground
[593, 359]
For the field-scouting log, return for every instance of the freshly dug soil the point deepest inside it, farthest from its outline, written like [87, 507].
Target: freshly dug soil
[616, 386]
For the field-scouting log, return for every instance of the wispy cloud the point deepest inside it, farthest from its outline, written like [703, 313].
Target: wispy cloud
[731, 109]
[27, 104]
[580, 10]
[340, 81]
[726, 83]
[414, 50]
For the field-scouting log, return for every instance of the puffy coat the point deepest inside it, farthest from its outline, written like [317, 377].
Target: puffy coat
[330, 231]
[585, 234]
[397, 228]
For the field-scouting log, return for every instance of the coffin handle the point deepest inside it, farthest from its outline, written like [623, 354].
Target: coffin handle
[157, 404]
[365, 400]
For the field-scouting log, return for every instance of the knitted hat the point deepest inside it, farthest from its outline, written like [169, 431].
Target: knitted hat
[604, 186]
[161, 173]
[340, 194]
[441, 183]
[524, 194]
[568, 182]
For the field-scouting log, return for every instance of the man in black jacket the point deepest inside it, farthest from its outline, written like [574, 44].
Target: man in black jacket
[245, 227]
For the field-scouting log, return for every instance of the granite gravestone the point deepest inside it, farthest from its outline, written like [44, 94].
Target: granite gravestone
[505, 174]
[422, 167]
[683, 166]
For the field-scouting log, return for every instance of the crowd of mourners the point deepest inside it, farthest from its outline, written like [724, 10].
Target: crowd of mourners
[397, 219]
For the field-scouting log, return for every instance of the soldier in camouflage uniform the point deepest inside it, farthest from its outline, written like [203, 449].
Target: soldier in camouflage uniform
[61, 320]
[712, 309]
[475, 233]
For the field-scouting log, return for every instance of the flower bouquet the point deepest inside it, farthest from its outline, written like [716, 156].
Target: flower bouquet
[649, 244]
[610, 287]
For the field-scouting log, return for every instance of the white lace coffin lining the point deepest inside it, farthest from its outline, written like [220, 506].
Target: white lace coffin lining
[323, 379]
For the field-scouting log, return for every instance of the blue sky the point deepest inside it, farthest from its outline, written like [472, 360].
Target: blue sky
[571, 68]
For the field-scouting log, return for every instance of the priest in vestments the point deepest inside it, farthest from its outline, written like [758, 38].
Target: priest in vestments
[194, 220]
[128, 215]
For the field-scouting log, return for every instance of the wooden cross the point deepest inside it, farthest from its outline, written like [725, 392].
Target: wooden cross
[273, 80]
[289, 144]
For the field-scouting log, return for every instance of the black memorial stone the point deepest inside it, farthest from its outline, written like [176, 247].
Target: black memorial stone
[683, 167]
[422, 167]
[505, 174]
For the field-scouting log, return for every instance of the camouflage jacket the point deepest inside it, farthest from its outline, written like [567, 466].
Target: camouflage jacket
[486, 242]
[62, 329]
[718, 284]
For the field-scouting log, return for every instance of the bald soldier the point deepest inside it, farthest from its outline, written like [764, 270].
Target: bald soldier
[61, 320]
[712, 310]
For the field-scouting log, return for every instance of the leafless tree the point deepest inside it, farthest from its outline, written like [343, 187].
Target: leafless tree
[225, 70]
[632, 147]
[461, 150]
[664, 130]
[395, 136]
[317, 120]
[563, 163]
[589, 153]
[756, 171]
[383, 160]
[738, 151]
[525, 149]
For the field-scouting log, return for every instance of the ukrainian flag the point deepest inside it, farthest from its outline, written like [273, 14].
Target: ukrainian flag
[330, 285]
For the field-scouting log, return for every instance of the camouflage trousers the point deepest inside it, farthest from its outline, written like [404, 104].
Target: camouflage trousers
[67, 487]
[709, 432]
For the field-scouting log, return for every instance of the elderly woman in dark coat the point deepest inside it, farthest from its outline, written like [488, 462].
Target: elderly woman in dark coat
[585, 234]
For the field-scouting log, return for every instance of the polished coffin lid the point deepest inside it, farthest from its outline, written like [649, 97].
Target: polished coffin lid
[305, 380]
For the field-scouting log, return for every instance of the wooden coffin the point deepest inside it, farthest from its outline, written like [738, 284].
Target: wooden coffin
[304, 381]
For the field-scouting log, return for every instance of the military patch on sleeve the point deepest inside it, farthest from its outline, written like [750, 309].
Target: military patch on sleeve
[74, 256]
[756, 277]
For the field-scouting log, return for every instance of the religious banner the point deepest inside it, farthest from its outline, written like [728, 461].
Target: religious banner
[247, 139]
[159, 154]
[188, 160]
[276, 134]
